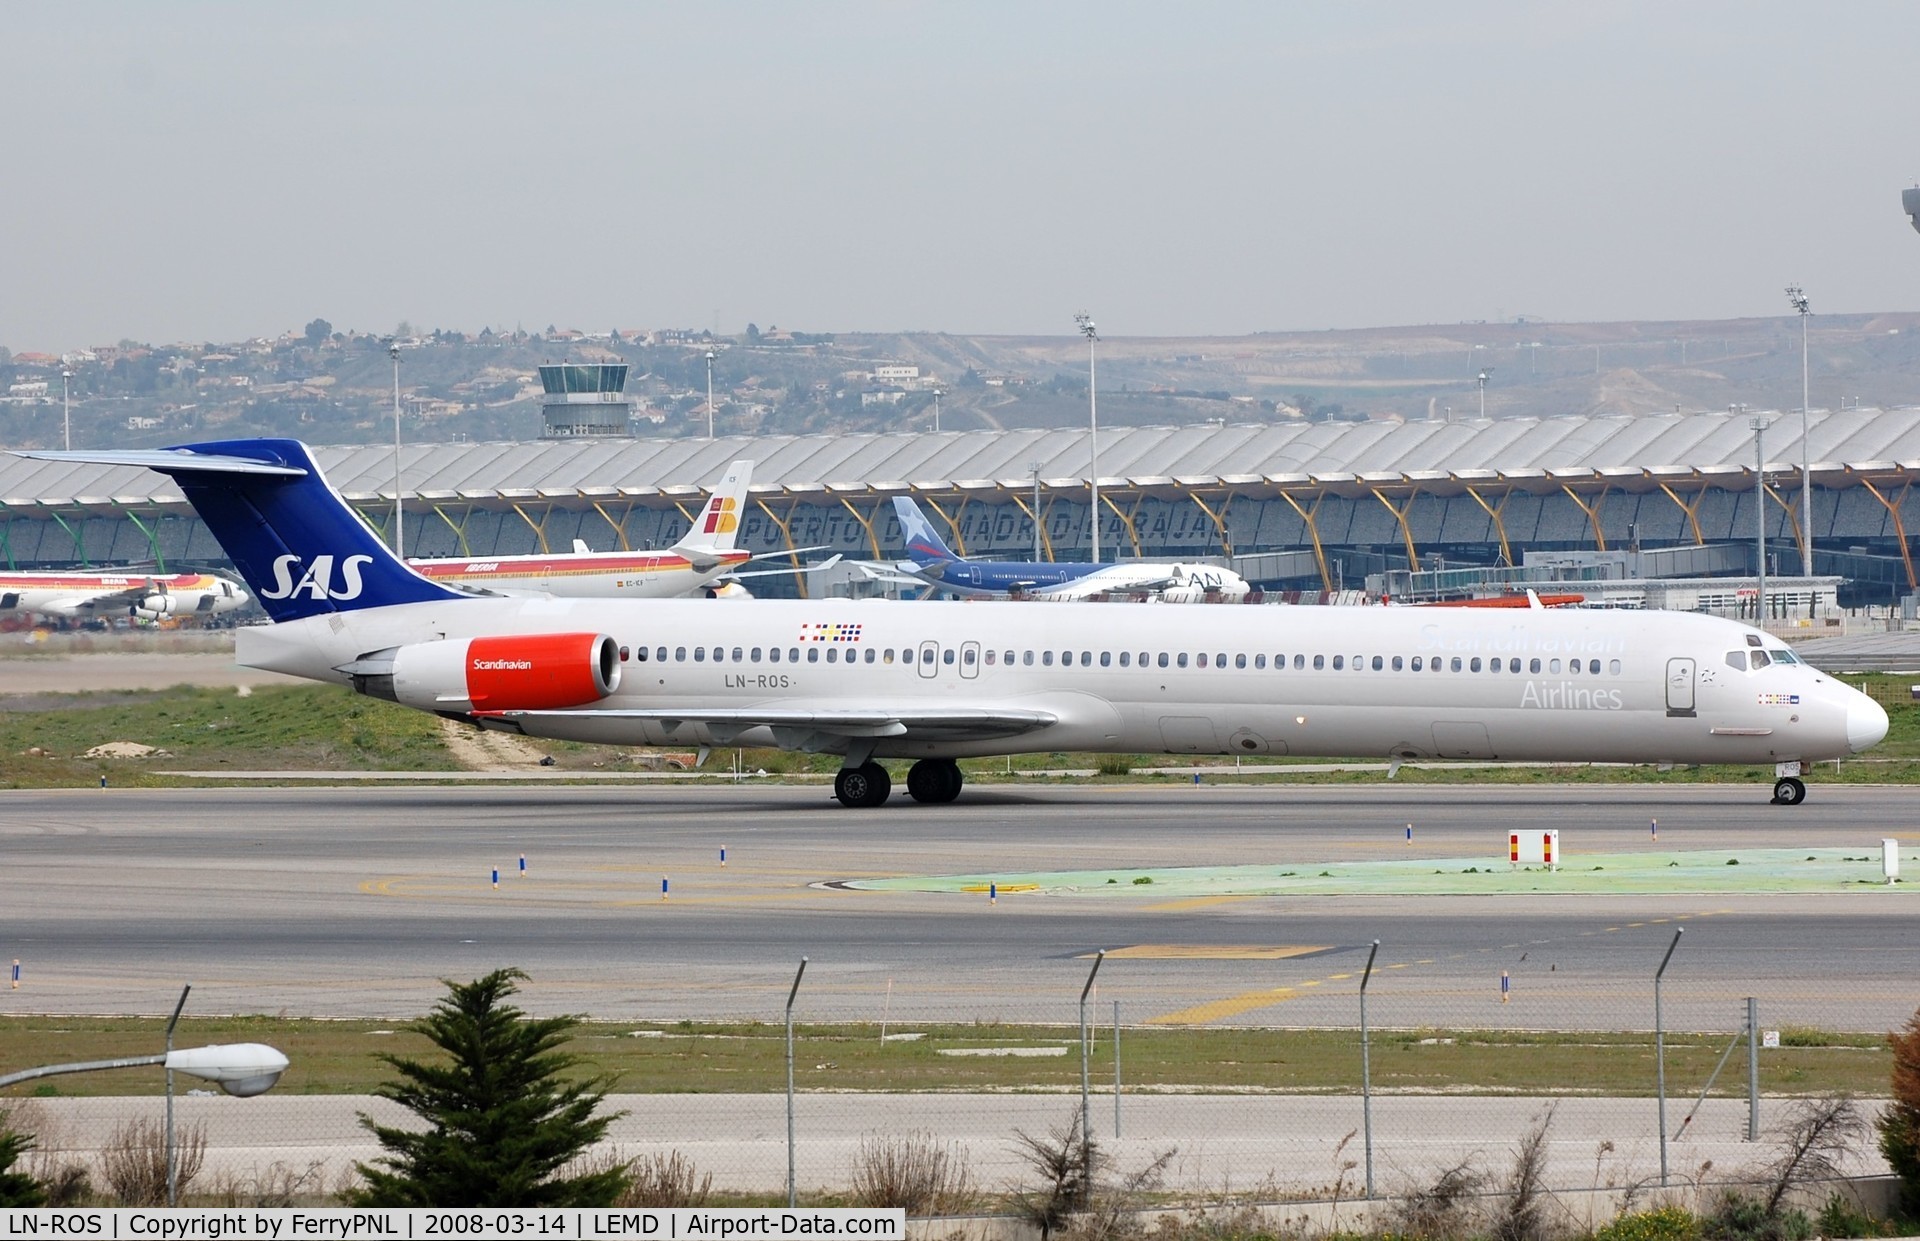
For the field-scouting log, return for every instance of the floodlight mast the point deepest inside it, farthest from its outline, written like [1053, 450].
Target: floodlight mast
[1486, 373]
[399, 533]
[709, 394]
[1093, 423]
[1803, 308]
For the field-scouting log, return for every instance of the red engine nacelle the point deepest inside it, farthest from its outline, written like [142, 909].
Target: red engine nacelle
[512, 672]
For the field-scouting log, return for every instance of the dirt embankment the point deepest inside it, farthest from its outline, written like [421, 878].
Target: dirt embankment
[477, 749]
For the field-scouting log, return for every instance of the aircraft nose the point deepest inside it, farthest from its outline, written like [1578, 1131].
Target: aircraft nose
[1866, 722]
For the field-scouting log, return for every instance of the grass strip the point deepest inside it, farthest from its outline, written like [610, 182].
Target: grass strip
[342, 1057]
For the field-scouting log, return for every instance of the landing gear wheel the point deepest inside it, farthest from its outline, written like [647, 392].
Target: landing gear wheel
[862, 787]
[934, 780]
[1789, 791]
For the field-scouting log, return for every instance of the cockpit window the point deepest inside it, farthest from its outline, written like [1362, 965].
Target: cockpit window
[1753, 639]
[1760, 660]
[1786, 657]
[1737, 660]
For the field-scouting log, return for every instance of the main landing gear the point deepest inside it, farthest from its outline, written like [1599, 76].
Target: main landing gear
[931, 780]
[934, 780]
[862, 787]
[1789, 791]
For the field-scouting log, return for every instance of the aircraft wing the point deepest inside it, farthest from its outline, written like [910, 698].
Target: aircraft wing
[111, 599]
[815, 730]
[888, 571]
[828, 563]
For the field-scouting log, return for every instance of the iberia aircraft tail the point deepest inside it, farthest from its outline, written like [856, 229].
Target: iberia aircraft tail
[719, 522]
[302, 551]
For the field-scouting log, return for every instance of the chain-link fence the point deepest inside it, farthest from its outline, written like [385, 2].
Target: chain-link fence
[1270, 1090]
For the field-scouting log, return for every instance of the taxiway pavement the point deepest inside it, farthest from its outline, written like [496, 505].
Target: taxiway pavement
[357, 901]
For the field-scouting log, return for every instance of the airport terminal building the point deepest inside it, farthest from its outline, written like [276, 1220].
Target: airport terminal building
[1420, 508]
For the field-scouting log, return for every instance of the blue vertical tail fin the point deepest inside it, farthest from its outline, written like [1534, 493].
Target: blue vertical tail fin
[924, 546]
[302, 551]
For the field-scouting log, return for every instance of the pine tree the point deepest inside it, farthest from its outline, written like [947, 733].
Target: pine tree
[501, 1124]
[17, 1189]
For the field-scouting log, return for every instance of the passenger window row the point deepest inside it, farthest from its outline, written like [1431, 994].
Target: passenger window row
[1495, 665]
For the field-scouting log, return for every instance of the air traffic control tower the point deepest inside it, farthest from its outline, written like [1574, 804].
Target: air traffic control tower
[585, 399]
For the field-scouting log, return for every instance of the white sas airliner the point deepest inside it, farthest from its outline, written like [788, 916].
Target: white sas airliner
[935, 682]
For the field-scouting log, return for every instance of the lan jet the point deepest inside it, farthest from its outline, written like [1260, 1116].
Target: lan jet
[932, 563]
[148, 596]
[705, 561]
[931, 683]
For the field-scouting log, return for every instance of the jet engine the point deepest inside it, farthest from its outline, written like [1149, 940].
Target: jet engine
[153, 607]
[526, 672]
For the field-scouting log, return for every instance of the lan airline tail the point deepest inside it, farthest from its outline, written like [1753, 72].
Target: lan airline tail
[924, 545]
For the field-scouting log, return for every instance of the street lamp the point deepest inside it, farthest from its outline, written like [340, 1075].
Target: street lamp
[240, 1069]
[399, 535]
[709, 394]
[1486, 373]
[936, 410]
[66, 409]
[1759, 426]
[1093, 423]
[1033, 467]
[1798, 300]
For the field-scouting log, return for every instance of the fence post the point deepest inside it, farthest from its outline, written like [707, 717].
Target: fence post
[1086, 1115]
[173, 1181]
[1660, 1049]
[1753, 1069]
[792, 1189]
[1116, 1068]
[1366, 1067]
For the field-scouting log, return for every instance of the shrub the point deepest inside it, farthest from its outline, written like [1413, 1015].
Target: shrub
[1899, 1124]
[1065, 1160]
[1662, 1224]
[1739, 1218]
[1841, 1218]
[668, 1180]
[133, 1163]
[915, 1171]
[1444, 1207]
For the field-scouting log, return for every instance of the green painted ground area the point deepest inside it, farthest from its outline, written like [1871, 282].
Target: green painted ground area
[1658, 871]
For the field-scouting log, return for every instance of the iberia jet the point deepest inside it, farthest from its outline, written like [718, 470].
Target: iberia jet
[936, 682]
[149, 596]
[691, 566]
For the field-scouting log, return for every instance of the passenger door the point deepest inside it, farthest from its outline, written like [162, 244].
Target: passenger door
[1680, 680]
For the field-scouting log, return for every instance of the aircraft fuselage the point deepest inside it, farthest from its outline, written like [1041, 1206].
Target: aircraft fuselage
[1559, 684]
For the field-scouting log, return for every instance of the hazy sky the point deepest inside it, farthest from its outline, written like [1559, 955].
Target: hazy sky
[192, 171]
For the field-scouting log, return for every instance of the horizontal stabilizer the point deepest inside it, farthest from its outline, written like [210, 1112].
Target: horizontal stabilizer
[165, 460]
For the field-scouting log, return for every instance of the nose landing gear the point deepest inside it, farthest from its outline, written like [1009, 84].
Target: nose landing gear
[1789, 791]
